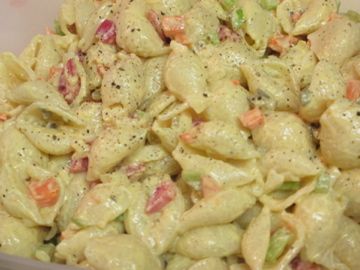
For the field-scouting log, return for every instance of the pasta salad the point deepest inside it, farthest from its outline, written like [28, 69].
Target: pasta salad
[184, 135]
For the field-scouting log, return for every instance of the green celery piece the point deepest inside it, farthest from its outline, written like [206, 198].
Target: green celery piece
[323, 183]
[191, 176]
[278, 242]
[353, 15]
[269, 4]
[57, 28]
[289, 186]
[237, 18]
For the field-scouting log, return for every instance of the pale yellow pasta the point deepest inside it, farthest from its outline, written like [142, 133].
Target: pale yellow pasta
[212, 241]
[340, 35]
[347, 247]
[125, 252]
[227, 103]
[222, 208]
[178, 262]
[321, 215]
[220, 140]
[339, 135]
[286, 9]
[348, 184]
[33, 91]
[112, 146]
[302, 61]
[99, 56]
[274, 78]
[18, 239]
[316, 14]
[327, 85]
[201, 22]
[225, 174]
[170, 7]
[222, 61]
[209, 264]
[102, 204]
[37, 122]
[351, 68]
[256, 240]
[157, 231]
[71, 248]
[154, 80]
[134, 32]
[185, 77]
[283, 130]
[260, 24]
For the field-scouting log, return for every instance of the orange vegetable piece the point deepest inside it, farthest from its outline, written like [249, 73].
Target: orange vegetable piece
[45, 193]
[252, 119]
[353, 90]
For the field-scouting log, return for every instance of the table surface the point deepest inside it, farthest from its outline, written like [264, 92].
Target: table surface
[20, 20]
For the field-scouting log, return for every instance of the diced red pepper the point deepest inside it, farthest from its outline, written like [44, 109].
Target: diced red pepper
[154, 19]
[69, 81]
[45, 193]
[298, 264]
[162, 196]
[79, 165]
[209, 187]
[252, 119]
[106, 32]
[134, 169]
[353, 90]
[3, 117]
[226, 33]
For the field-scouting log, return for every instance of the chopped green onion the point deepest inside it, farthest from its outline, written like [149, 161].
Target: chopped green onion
[278, 242]
[214, 38]
[228, 4]
[323, 183]
[269, 4]
[353, 15]
[305, 97]
[289, 186]
[57, 28]
[237, 18]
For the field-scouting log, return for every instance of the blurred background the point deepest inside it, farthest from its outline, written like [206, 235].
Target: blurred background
[20, 20]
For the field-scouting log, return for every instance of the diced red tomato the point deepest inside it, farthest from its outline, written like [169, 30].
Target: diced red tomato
[252, 119]
[209, 187]
[3, 117]
[226, 33]
[353, 90]
[162, 196]
[79, 165]
[298, 264]
[154, 19]
[281, 43]
[134, 169]
[69, 81]
[106, 32]
[45, 193]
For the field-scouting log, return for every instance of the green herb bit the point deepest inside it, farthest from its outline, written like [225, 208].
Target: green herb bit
[323, 183]
[278, 242]
[269, 4]
[57, 28]
[191, 176]
[237, 18]
[289, 186]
